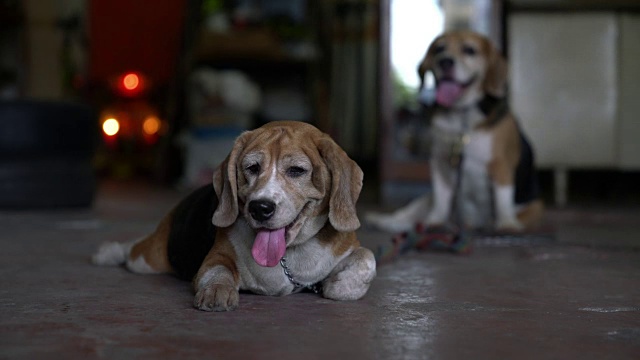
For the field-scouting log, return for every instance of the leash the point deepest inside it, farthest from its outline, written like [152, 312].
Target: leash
[495, 109]
[316, 288]
[456, 159]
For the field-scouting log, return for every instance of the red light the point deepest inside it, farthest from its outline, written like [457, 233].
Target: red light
[131, 81]
[130, 84]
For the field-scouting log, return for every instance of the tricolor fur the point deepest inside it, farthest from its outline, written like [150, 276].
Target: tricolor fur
[497, 188]
[285, 190]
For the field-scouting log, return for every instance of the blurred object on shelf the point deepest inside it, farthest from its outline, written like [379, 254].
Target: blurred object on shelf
[222, 98]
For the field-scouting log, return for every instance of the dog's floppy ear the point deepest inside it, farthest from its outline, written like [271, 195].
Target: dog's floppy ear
[427, 62]
[425, 65]
[346, 183]
[495, 82]
[225, 183]
[422, 71]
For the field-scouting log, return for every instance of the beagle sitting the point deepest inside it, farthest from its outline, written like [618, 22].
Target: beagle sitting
[482, 166]
[279, 218]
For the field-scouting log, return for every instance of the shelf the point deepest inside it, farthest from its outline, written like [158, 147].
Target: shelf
[246, 47]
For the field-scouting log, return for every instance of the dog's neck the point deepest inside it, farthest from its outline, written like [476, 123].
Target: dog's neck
[493, 108]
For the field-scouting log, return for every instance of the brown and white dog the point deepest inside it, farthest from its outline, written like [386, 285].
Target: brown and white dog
[280, 217]
[479, 157]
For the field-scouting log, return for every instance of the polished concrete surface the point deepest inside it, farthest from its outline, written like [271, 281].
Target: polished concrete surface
[575, 298]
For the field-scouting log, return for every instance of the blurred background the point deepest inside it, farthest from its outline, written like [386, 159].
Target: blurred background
[95, 91]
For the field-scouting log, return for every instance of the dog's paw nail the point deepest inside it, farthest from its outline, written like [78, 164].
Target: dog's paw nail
[217, 298]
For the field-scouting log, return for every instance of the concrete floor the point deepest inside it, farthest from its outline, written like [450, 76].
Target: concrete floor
[578, 298]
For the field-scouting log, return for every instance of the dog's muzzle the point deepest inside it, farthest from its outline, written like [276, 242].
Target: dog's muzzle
[446, 65]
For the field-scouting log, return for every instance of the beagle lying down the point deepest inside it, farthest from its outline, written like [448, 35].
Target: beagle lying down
[279, 218]
[481, 163]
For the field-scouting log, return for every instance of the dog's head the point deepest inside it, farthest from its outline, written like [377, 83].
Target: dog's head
[286, 179]
[466, 67]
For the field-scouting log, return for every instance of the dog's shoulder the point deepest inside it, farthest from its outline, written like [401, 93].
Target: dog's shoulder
[340, 243]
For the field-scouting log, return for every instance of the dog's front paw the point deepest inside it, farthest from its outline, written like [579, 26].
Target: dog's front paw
[350, 280]
[217, 297]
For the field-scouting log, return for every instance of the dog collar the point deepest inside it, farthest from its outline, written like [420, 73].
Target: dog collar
[316, 288]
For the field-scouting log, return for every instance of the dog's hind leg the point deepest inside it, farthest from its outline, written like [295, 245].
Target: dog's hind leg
[145, 256]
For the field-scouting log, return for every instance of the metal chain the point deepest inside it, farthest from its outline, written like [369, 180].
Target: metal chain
[458, 217]
[316, 288]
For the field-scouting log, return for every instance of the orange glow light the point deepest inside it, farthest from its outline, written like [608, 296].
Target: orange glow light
[151, 125]
[111, 127]
[131, 81]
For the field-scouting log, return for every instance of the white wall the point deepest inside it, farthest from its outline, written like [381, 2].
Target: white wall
[574, 86]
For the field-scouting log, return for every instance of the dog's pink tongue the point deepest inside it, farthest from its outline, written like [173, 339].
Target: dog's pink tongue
[269, 247]
[448, 92]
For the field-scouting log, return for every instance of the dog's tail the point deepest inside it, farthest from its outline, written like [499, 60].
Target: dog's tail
[112, 254]
[138, 256]
[403, 219]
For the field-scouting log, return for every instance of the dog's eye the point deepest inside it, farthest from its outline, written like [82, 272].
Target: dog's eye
[468, 50]
[253, 169]
[296, 171]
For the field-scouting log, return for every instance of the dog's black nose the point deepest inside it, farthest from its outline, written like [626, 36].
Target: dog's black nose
[262, 210]
[445, 64]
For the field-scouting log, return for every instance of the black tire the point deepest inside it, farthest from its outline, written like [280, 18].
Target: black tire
[29, 127]
[46, 150]
[46, 183]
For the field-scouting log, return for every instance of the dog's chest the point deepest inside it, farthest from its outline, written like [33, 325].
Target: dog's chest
[464, 153]
[456, 140]
[307, 264]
